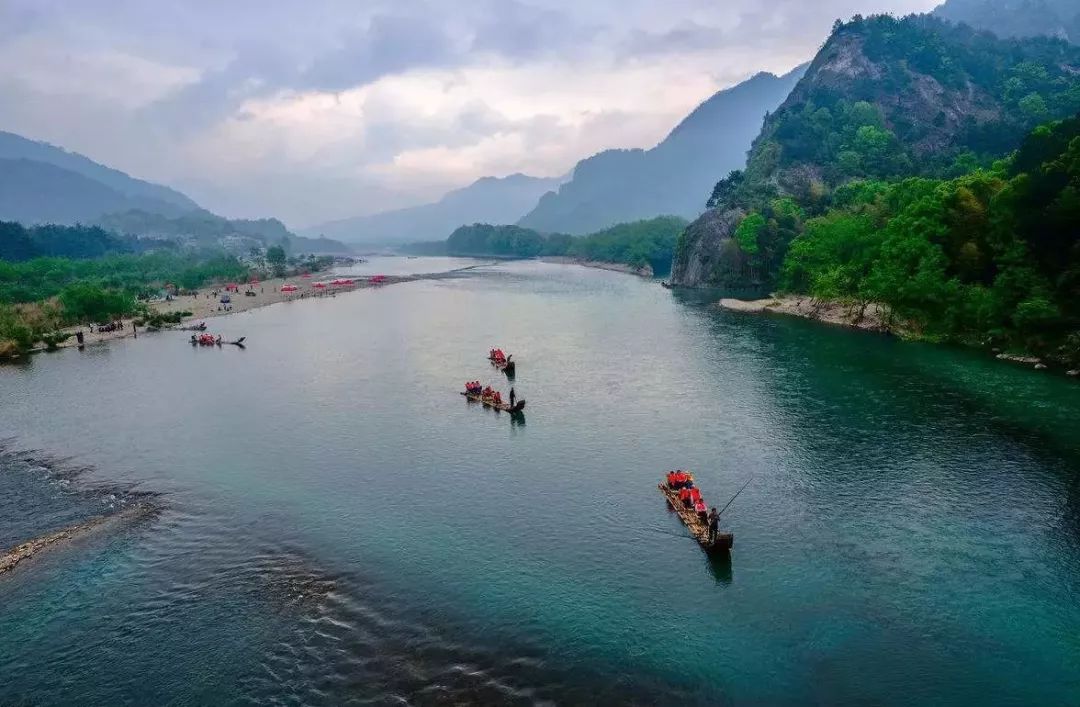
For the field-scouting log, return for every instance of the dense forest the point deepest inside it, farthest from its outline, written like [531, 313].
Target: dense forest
[638, 244]
[992, 256]
[19, 243]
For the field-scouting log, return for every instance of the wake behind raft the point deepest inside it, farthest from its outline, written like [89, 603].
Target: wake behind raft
[678, 488]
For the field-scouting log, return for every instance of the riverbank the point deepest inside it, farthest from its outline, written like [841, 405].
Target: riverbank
[872, 317]
[206, 304]
[646, 271]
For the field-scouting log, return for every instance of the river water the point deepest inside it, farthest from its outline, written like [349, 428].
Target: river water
[338, 525]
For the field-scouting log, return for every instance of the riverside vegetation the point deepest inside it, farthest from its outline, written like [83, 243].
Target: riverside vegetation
[648, 243]
[52, 277]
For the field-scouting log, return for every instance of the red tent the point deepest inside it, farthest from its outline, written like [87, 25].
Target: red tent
[320, 285]
[379, 278]
[289, 288]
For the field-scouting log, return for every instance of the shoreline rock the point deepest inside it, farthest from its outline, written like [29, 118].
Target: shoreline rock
[872, 317]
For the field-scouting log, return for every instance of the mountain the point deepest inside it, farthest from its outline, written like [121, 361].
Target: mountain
[884, 99]
[674, 177]
[169, 201]
[487, 200]
[1017, 18]
[203, 227]
[36, 192]
[44, 184]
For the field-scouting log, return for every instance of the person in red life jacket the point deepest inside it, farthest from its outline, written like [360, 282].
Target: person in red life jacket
[498, 398]
[695, 495]
[684, 496]
[702, 511]
[670, 474]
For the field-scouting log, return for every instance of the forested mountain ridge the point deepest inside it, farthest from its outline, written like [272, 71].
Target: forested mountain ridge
[616, 186]
[1017, 18]
[487, 200]
[16, 147]
[885, 98]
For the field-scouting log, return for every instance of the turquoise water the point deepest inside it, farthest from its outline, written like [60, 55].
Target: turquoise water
[337, 524]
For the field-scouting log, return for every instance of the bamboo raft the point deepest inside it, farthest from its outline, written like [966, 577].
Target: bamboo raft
[697, 528]
[487, 402]
[506, 366]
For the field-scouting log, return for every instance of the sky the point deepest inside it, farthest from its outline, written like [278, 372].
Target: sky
[313, 110]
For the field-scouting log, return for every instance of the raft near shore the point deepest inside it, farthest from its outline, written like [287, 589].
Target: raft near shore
[487, 402]
[723, 541]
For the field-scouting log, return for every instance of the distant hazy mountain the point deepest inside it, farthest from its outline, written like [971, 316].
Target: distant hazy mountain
[673, 178]
[160, 198]
[487, 200]
[1017, 18]
[35, 192]
[40, 184]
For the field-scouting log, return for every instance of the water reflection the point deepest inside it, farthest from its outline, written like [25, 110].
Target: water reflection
[720, 568]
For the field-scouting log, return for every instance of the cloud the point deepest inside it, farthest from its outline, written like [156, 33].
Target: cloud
[328, 108]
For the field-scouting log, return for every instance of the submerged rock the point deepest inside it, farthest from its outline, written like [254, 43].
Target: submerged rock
[1017, 358]
[25, 551]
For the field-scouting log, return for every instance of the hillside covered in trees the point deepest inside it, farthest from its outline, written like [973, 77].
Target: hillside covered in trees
[889, 153]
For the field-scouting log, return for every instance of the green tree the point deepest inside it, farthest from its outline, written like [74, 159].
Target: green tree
[275, 257]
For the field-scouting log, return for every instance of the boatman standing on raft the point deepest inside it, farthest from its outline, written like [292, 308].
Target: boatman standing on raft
[714, 524]
[512, 396]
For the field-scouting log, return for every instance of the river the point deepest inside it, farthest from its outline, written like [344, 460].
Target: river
[338, 525]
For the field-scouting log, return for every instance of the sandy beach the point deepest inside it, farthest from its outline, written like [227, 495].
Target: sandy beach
[646, 271]
[206, 304]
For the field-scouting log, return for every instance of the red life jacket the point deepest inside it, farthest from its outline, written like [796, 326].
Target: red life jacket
[684, 494]
[695, 494]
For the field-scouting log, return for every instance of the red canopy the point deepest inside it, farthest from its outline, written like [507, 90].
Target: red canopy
[289, 288]
[320, 285]
[378, 278]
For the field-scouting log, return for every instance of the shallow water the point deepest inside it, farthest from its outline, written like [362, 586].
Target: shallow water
[340, 525]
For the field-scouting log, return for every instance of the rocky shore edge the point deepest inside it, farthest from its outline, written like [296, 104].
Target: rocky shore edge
[25, 551]
[871, 317]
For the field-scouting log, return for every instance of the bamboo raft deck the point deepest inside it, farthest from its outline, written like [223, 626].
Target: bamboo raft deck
[697, 528]
[504, 406]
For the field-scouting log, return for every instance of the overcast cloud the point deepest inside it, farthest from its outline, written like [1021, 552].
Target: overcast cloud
[320, 109]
